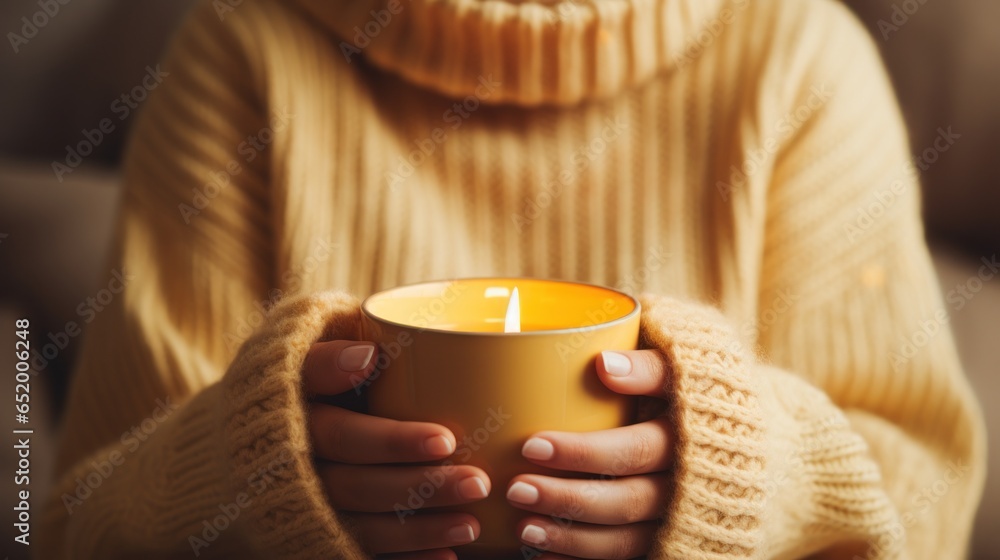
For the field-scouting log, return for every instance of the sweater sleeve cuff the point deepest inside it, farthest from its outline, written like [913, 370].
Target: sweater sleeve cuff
[716, 508]
[267, 439]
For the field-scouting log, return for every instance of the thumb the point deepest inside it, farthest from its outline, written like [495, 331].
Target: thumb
[635, 372]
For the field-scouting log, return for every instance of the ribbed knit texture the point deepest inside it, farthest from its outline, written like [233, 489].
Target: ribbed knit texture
[719, 494]
[723, 157]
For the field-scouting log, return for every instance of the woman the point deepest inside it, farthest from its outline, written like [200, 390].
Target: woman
[742, 164]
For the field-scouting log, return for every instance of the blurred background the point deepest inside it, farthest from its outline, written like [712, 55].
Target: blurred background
[62, 80]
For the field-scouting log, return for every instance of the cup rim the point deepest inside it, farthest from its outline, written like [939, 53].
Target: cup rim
[636, 309]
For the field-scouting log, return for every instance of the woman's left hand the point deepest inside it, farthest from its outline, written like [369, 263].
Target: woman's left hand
[615, 516]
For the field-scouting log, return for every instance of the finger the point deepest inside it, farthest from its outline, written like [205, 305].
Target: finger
[436, 554]
[620, 501]
[351, 437]
[637, 449]
[402, 489]
[386, 533]
[636, 372]
[334, 367]
[583, 540]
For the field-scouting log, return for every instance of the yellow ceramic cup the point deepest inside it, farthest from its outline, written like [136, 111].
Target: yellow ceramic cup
[444, 358]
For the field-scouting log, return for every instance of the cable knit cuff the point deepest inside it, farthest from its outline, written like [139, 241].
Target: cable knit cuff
[267, 436]
[719, 490]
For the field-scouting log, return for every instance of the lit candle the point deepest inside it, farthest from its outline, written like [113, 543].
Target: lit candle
[512, 319]
[496, 360]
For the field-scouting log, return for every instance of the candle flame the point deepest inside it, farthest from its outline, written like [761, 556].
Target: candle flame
[512, 322]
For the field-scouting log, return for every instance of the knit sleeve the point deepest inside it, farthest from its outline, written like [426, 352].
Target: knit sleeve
[767, 466]
[184, 433]
[226, 472]
[836, 421]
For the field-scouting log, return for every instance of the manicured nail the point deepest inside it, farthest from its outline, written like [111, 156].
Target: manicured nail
[617, 364]
[356, 358]
[523, 493]
[438, 446]
[538, 449]
[461, 534]
[533, 534]
[472, 488]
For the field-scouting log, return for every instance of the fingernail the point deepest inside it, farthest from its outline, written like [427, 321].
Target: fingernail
[538, 449]
[472, 488]
[461, 534]
[617, 364]
[533, 534]
[438, 446]
[523, 493]
[356, 358]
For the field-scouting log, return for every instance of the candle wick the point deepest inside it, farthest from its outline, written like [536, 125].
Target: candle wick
[512, 322]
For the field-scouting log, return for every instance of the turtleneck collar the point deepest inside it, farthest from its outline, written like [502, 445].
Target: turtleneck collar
[555, 52]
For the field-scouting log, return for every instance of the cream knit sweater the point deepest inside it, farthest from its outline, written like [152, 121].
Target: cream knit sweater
[743, 164]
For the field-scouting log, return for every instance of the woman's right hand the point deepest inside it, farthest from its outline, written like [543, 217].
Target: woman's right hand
[360, 461]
